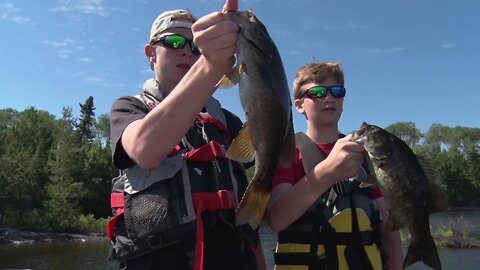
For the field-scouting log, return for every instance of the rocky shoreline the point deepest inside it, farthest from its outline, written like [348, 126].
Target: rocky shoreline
[9, 236]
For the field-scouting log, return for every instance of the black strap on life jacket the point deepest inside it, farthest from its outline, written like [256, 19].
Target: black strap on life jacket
[355, 253]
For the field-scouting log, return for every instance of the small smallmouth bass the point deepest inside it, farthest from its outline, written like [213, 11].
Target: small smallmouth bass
[408, 185]
[267, 136]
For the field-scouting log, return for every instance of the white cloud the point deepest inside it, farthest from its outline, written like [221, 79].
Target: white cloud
[65, 48]
[78, 74]
[386, 50]
[96, 81]
[295, 52]
[94, 7]
[9, 12]
[85, 59]
[60, 44]
[447, 45]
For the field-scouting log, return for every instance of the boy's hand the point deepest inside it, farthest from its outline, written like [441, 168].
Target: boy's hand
[216, 37]
[345, 158]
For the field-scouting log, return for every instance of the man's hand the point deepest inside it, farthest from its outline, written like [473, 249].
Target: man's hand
[216, 37]
[230, 5]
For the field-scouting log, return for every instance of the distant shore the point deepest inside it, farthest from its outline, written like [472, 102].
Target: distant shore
[9, 236]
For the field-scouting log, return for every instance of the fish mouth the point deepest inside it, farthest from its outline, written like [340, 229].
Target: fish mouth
[359, 135]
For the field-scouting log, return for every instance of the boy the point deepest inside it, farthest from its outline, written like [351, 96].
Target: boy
[323, 218]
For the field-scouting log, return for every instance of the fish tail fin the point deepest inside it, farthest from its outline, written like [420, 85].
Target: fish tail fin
[252, 206]
[424, 251]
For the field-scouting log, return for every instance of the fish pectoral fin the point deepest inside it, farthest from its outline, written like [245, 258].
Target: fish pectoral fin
[242, 149]
[231, 78]
[370, 180]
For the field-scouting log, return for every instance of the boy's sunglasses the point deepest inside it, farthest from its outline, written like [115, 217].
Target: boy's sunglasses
[177, 42]
[320, 91]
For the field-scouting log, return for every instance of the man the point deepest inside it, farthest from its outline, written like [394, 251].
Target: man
[324, 218]
[175, 200]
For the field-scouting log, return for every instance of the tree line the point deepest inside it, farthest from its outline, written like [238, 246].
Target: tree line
[55, 174]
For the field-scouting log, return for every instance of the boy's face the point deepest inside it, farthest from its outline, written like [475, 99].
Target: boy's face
[325, 111]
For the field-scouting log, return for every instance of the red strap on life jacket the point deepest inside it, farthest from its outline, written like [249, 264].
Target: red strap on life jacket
[207, 118]
[175, 151]
[208, 201]
[206, 152]
[116, 201]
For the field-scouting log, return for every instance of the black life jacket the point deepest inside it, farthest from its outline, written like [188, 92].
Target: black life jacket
[341, 230]
[191, 191]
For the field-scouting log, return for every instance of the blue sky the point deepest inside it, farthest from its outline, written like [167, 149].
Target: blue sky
[404, 60]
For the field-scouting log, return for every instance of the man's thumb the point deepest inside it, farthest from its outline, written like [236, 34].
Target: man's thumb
[230, 5]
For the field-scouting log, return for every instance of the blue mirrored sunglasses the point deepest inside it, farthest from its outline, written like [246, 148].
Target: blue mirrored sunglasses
[177, 42]
[320, 91]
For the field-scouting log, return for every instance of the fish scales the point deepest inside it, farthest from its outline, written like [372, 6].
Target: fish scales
[267, 136]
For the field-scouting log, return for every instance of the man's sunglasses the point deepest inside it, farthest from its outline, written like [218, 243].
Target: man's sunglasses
[320, 91]
[177, 42]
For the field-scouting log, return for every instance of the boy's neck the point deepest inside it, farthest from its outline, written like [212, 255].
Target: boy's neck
[323, 135]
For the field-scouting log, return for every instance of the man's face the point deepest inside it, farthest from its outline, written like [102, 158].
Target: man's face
[324, 111]
[170, 65]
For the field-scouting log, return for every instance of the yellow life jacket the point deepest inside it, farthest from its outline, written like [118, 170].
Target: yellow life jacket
[331, 235]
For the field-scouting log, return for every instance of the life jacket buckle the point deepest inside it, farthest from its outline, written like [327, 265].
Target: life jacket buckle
[155, 241]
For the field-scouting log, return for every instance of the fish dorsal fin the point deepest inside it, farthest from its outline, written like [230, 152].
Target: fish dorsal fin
[439, 198]
[311, 155]
[242, 149]
[231, 78]
[427, 167]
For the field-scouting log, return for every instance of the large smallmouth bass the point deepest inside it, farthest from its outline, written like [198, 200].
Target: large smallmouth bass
[267, 136]
[408, 185]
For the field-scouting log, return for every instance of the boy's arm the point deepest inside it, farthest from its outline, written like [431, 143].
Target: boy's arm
[392, 242]
[288, 202]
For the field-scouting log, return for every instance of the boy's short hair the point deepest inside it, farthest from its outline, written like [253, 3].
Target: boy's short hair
[316, 72]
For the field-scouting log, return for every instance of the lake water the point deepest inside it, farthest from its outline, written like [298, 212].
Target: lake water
[92, 255]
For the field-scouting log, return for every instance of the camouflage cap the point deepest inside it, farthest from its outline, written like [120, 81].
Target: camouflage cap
[165, 21]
